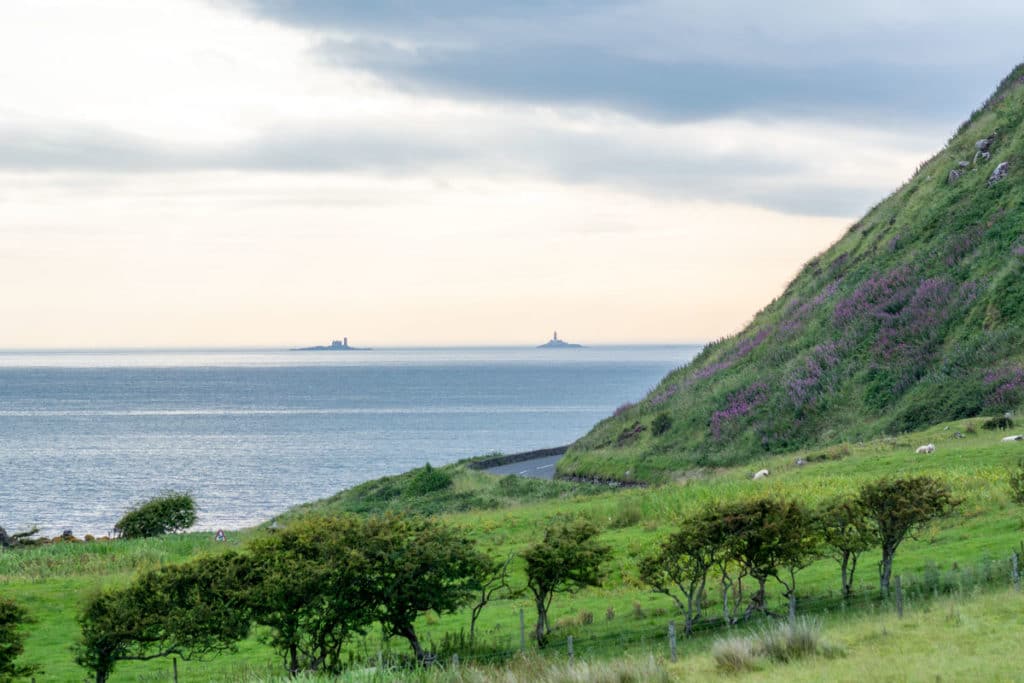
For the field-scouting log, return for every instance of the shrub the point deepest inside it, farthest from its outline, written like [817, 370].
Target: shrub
[1001, 422]
[1017, 483]
[585, 618]
[427, 480]
[662, 423]
[13, 619]
[168, 513]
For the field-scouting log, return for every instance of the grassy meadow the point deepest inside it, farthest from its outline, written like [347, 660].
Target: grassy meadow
[964, 555]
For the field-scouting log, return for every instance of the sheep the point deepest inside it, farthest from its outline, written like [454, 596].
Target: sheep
[1015, 437]
[927, 448]
[760, 474]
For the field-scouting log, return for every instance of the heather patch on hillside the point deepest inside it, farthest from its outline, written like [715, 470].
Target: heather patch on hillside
[915, 316]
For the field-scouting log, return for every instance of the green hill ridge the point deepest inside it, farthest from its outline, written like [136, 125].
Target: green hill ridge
[914, 317]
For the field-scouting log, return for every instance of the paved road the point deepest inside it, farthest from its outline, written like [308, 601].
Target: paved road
[538, 468]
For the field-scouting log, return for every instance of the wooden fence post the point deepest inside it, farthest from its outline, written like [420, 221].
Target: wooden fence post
[672, 639]
[174, 661]
[899, 596]
[572, 655]
[1015, 565]
[522, 630]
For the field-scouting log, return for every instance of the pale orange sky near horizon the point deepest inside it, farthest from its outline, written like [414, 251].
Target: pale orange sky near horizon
[205, 176]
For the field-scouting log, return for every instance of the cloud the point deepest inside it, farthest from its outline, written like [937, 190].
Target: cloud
[796, 168]
[677, 61]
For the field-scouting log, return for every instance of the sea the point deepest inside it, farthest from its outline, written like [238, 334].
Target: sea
[85, 435]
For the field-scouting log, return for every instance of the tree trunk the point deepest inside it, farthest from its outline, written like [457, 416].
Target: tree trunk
[293, 659]
[757, 601]
[885, 571]
[409, 633]
[542, 620]
[847, 590]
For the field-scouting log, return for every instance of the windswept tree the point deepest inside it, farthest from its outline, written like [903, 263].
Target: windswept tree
[680, 568]
[769, 539]
[897, 508]
[567, 559]
[168, 513]
[494, 582]
[190, 610]
[13, 619]
[846, 532]
[417, 564]
[312, 590]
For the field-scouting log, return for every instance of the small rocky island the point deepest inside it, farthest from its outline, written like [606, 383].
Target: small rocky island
[335, 346]
[556, 343]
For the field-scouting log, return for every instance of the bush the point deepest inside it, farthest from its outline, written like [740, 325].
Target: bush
[1001, 422]
[169, 513]
[1017, 483]
[662, 423]
[427, 480]
[13, 619]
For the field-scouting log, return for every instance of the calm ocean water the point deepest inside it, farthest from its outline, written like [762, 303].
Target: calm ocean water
[84, 435]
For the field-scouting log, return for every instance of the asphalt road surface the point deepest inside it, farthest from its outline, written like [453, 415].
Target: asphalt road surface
[538, 468]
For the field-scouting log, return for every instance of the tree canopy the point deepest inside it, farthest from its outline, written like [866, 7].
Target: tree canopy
[567, 559]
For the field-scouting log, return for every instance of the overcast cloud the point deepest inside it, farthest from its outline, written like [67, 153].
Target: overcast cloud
[204, 164]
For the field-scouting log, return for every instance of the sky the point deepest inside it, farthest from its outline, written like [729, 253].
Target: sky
[459, 172]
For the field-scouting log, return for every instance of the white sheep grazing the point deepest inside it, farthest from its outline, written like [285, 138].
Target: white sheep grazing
[1015, 437]
[760, 474]
[927, 448]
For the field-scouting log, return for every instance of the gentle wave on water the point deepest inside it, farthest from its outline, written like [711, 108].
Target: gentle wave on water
[83, 435]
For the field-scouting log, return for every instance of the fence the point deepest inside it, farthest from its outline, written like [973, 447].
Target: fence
[664, 639]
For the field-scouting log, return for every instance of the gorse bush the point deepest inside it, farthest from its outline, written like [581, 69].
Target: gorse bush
[169, 513]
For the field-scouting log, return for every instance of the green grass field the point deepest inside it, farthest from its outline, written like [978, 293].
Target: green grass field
[963, 556]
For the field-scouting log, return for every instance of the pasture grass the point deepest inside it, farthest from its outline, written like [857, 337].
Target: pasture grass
[966, 552]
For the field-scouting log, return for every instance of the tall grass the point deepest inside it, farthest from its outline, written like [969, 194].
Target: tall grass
[531, 669]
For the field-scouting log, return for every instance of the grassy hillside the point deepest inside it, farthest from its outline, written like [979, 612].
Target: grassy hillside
[967, 552]
[915, 316]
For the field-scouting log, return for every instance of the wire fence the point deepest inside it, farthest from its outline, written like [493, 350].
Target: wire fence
[384, 658]
[614, 637]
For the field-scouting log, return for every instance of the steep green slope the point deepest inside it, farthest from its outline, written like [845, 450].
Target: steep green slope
[915, 316]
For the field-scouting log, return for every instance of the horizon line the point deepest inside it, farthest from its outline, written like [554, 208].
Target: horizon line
[496, 345]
